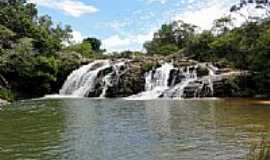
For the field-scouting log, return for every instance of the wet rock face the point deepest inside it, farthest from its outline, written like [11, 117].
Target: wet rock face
[132, 81]
[186, 79]
[198, 89]
[99, 82]
[176, 77]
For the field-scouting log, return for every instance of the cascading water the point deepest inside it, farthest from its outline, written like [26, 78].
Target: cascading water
[212, 74]
[156, 82]
[177, 91]
[158, 78]
[108, 79]
[104, 78]
[170, 82]
[85, 79]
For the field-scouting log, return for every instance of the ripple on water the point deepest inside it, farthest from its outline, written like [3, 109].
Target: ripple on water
[119, 129]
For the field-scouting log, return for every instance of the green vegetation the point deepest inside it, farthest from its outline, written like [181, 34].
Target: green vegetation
[170, 38]
[89, 48]
[34, 57]
[125, 54]
[245, 47]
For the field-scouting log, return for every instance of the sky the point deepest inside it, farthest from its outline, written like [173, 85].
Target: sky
[127, 24]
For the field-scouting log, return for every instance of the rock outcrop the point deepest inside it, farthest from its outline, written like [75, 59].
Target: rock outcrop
[126, 77]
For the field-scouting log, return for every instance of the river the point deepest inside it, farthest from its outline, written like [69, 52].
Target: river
[116, 129]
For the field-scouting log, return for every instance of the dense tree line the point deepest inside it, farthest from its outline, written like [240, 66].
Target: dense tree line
[245, 47]
[34, 56]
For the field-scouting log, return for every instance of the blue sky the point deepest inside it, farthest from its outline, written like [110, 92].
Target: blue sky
[127, 24]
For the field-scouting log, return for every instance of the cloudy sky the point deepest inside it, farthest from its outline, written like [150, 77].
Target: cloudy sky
[127, 24]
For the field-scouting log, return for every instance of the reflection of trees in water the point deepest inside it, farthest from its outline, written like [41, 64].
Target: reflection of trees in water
[208, 128]
[182, 127]
[240, 119]
[31, 130]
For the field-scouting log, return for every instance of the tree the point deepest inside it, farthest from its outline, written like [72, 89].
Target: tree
[199, 46]
[6, 37]
[170, 38]
[250, 5]
[94, 42]
[183, 32]
[84, 48]
[222, 25]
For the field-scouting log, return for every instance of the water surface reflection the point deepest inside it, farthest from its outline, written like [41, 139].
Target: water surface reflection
[88, 129]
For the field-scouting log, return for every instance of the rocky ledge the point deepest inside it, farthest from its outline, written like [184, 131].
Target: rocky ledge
[176, 76]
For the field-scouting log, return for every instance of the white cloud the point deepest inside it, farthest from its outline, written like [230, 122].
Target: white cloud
[77, 37]
[128, 42]
[203, 14]
[70, 7]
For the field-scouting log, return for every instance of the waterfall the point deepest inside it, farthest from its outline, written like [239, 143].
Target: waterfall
[104, 78]
[156, 82]
[88, 78]
[170, 82]
[189, 76]
[212, 74]
[81, 81]
[158, 78]
[109, 80]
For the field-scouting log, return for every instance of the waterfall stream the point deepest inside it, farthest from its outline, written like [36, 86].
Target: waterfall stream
[86, 79]
[82, 80]
[101, 79]
[156, 82]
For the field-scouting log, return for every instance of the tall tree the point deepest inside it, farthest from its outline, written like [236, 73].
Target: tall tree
[222, 25]
[251, 7]
[170, 38]
[95, 43]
